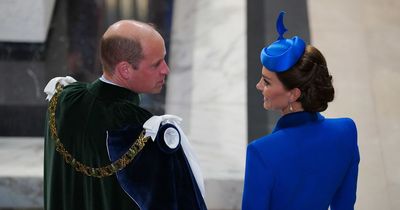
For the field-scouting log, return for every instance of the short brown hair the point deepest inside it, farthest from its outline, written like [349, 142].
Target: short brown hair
[310, 74]
[115, 49]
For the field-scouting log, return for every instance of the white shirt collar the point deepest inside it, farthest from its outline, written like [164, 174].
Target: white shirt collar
[103, 79]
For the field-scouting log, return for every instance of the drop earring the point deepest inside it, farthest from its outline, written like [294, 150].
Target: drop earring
[290, 107]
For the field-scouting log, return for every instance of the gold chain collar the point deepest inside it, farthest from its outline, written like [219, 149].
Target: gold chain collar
[99, 172]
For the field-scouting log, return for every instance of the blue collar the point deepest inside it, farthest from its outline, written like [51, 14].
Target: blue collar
[297, 119]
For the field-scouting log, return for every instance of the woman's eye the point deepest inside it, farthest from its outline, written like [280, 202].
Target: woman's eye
[266, 82]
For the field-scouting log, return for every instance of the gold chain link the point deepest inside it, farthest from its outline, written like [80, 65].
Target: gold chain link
[99, 172]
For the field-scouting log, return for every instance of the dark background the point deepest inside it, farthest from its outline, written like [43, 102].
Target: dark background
[71, 49]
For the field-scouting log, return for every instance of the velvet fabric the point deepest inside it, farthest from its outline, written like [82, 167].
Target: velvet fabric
[84, 114]
[159, 177]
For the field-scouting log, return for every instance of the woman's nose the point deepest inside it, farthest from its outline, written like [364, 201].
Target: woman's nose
[258, 86]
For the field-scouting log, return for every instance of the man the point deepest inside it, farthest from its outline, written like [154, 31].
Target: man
[97, 154]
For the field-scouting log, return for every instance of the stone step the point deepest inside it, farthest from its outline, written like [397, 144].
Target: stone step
[21, 178]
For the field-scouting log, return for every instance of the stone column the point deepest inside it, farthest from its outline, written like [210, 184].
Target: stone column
[360, 42]
[207, 88]
[25, 20]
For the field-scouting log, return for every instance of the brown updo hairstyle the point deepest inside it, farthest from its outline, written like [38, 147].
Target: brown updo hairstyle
[310, 74]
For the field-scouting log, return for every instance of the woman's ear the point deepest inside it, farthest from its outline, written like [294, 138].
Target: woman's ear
[295, 94]
[123, 69]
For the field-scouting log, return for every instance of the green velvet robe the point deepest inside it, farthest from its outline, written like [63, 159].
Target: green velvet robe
[84, 113]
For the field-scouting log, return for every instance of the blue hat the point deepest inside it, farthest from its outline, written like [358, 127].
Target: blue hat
[283, 53]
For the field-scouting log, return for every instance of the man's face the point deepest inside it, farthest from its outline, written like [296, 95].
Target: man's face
[149, 77]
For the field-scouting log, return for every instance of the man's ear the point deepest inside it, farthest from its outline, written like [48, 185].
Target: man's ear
[295, 94]
[123, 69]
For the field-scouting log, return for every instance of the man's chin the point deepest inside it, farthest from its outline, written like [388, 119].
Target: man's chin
[156, 91]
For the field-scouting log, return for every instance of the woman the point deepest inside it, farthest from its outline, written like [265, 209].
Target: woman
[308, 162]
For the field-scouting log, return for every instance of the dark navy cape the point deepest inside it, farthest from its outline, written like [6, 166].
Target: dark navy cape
[159, 178]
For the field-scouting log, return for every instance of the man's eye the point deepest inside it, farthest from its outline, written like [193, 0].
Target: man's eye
[156, 65]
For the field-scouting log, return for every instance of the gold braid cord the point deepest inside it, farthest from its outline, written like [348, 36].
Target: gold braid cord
[99, 172]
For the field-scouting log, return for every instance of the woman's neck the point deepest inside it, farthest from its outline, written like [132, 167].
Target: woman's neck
[293, 107]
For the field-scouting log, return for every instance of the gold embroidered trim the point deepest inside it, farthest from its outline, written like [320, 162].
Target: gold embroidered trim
[99, 172]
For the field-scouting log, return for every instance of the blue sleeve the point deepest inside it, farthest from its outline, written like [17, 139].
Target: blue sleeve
[345, 197]
[258, 182]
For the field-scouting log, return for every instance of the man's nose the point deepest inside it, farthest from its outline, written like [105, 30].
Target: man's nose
[165, 68]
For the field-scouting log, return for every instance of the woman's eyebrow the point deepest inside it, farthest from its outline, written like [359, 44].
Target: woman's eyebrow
[265, 77]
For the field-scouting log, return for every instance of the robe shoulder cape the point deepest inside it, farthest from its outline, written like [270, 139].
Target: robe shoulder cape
[160, 177]
[85, 114]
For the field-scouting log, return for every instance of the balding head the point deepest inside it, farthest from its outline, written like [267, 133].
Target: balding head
[123, 41]
[129, 29]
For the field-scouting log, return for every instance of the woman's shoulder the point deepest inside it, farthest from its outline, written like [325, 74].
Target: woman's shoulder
[345, 120]
[267, 139]
[273, 149]
[342, 130]
[343, 124]
[271, 142]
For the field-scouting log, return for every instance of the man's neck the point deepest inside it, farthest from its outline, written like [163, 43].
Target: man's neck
[107, 80]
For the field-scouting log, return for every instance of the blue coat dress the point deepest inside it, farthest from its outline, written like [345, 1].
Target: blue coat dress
[306, 163]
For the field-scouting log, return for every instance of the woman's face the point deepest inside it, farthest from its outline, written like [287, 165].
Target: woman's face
[276, 97]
